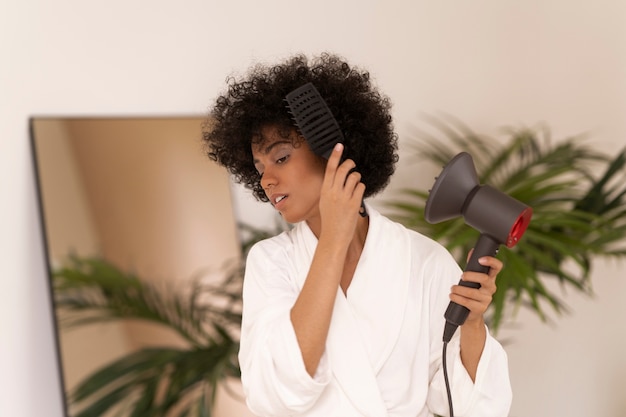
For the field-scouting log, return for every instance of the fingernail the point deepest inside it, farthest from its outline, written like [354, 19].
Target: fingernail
[338, 147]
[482, 260]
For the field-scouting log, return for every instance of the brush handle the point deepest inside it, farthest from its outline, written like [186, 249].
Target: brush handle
[363, 210]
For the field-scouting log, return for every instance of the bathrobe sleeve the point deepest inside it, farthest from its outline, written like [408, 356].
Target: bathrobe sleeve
[274, 377]
[490, 394]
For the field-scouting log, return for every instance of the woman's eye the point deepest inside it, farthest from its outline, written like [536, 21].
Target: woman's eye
[282, 160]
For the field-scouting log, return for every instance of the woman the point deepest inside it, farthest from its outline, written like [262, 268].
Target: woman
[343, 314]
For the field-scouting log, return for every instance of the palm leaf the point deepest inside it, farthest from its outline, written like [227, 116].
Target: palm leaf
[152, 381]
[576, 217]
[91, 290]
[156, 381]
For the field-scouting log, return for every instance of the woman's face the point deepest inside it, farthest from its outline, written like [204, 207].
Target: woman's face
[291, 175]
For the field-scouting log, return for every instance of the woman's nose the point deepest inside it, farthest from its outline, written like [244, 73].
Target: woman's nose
[268, 180]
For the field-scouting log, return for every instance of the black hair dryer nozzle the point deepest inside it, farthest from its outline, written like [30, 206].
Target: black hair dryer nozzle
[499, 218]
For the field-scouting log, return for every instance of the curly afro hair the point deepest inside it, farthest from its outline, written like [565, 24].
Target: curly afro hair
[258, 100]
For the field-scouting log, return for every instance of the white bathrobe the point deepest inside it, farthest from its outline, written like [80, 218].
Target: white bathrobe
[384, 347]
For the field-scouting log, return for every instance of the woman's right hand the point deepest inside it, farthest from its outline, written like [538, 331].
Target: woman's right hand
[341, 196]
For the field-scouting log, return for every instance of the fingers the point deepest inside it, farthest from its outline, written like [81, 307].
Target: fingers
[495, 265]
[335, 168]
[477, 300]
[353, 180]
[341, 175]
[333, 163]
[487, 281]
[479, 294]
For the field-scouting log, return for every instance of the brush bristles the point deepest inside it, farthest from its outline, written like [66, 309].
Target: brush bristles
[314, 119]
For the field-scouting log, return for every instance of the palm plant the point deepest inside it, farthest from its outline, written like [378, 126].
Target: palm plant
[157, 380]
[576, 216]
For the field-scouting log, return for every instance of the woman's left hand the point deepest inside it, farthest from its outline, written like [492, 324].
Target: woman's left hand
[477, 300]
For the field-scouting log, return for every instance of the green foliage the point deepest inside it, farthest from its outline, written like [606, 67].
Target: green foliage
[576, 216]
[92, 290]
[154, 380]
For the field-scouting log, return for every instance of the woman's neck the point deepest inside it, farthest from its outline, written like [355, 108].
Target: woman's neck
[358, 239]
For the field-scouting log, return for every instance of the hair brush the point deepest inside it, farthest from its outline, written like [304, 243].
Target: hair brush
[316, 122]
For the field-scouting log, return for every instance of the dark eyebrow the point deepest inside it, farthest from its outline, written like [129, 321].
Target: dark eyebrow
[271, 146]
[274, 144]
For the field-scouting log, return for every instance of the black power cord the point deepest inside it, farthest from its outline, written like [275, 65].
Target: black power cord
[448, 331]
[445, 377]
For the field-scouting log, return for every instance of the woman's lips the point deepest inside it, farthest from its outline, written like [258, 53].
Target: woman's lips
[278, 200]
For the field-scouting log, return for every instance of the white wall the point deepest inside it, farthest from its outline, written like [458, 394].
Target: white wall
[491, 63]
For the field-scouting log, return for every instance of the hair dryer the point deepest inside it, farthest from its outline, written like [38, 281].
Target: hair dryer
[499, 218]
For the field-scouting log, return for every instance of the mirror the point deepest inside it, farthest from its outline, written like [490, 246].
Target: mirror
[141, 194]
